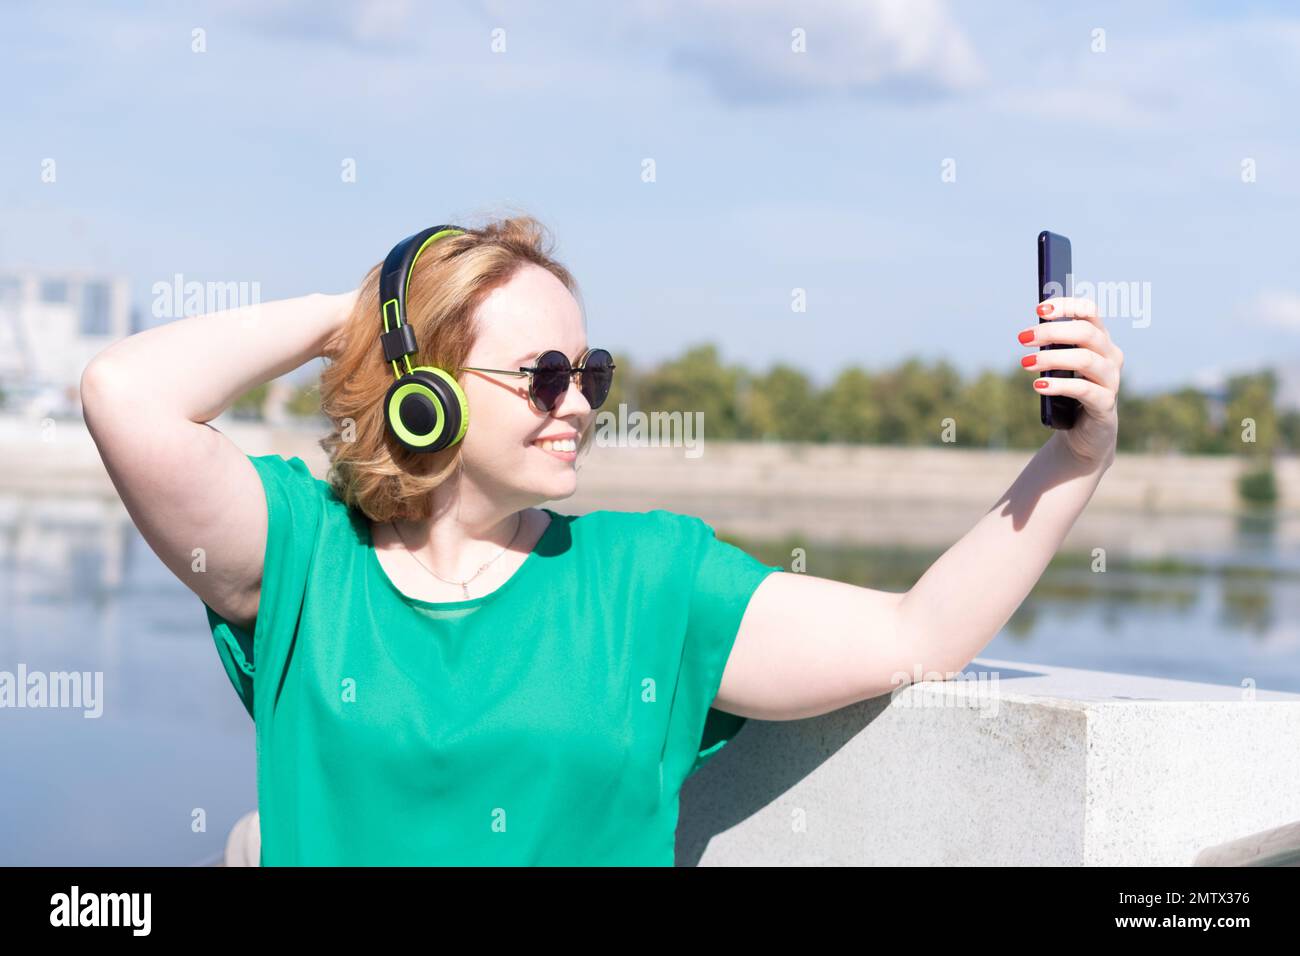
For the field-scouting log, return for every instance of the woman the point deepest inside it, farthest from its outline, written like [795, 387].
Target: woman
[441, 671]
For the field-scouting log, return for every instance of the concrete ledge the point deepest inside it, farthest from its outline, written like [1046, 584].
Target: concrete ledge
[1011, 764]
[1018, 765]
[1276, 847]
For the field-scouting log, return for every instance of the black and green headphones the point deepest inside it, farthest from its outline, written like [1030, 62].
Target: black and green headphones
[425, 408]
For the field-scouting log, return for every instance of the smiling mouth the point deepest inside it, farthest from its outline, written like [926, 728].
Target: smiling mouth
[558, 446]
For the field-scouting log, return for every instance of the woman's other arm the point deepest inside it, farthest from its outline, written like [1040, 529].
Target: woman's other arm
[147, 400]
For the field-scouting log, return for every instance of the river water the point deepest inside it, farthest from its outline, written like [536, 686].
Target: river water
[167, 767]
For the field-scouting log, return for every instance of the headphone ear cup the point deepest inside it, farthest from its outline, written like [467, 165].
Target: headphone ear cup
[426, 410]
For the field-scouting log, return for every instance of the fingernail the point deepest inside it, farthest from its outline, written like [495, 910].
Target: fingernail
[1040, 383]
[1045, 309]
[1026, 336]
[1028, 360]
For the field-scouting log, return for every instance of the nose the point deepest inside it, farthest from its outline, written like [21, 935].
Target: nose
[572, 402]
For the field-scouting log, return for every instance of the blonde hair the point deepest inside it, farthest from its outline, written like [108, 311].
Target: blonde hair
[373, 471]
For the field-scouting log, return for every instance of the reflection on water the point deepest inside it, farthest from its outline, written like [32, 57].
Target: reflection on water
[163, 773]
[161, 776]
[1218, 619]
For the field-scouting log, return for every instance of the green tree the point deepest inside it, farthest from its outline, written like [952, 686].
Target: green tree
[849, 409]
[784, 406]
[1170, 422]
[1288, 430]
[624, 388]
[907, 405]
[914, 400]
[305, 401]
[249, 405]
[697, 382]
[1258, 486]
[1251, 399]
[998, 411]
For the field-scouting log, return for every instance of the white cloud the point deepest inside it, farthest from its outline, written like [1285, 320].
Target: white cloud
[1210, 379]
[366, 24]
[1095, 106]
[1276, 309]
[1238, 74]
[903, 49]
[381, 19]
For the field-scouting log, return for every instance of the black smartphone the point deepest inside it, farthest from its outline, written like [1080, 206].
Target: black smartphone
[1055, 279]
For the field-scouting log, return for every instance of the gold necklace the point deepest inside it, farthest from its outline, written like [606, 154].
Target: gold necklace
[482, 567]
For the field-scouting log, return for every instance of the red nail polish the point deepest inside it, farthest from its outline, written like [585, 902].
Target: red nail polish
[1026, 336]
[1040, 383]
[1045, 309]
[1028, 360]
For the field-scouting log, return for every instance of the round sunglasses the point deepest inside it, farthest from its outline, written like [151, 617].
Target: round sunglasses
[550, 374]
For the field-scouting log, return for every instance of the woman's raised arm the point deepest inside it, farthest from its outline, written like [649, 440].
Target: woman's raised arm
[809, 645]
[147, 399]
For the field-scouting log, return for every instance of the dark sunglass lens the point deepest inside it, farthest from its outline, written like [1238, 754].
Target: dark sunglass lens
[597, 377]
[551, 379]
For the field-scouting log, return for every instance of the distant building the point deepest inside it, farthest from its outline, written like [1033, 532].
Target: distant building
[1216, 405]
[51, 325]
[1288, 385]
[1214, 386]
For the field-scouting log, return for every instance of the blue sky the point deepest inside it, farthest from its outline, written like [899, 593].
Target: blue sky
[775, 170]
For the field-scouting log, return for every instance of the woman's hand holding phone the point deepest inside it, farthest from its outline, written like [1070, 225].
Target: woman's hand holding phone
[1084, 345]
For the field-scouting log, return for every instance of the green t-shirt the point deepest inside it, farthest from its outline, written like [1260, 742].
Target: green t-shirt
[551, 722]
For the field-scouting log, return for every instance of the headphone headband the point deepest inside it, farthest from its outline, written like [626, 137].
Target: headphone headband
[394, 280]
